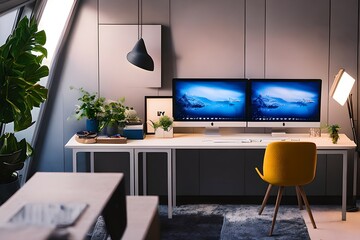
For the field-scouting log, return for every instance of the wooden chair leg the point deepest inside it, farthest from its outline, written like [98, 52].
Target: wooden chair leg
[267, 194]
[303, 195]
[278, 200]
[298, 195]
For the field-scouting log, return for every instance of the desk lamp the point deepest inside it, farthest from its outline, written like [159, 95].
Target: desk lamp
[341, 92]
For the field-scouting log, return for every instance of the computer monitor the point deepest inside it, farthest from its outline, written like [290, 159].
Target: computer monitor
[209, 102]
[284, 103]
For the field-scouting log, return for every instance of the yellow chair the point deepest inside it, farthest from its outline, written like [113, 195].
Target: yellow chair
[288, 164]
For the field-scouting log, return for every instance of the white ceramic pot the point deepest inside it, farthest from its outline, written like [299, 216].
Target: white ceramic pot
[161, 133]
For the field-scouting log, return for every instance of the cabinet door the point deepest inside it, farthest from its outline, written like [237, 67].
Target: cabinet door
[221, 172]
[187, 172]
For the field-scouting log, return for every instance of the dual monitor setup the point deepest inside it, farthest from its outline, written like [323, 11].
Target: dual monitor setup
[238, 102]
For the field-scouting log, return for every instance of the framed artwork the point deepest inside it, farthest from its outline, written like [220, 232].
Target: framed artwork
[155, 107]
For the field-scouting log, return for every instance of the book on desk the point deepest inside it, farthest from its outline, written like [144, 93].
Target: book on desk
[134, 131]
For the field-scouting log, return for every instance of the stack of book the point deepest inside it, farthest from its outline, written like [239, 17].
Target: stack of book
[134, 131]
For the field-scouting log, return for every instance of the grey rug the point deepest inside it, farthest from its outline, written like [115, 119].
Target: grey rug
[225, 222]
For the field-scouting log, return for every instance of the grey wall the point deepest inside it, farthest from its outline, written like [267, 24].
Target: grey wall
[208, 38]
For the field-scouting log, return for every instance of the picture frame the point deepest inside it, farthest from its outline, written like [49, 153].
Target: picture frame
[155, 107]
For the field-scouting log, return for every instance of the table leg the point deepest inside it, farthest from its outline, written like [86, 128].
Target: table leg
[344, 192]
[74, 160]
[170, 202]
[133, 171]
[355, 175]
[136, 172]
[174, 176]
[92, 168]
[144, 174]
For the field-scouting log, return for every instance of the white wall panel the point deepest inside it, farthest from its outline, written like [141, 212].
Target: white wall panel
[208, 38]
[297, 42]
[255, 39]
[115, 71]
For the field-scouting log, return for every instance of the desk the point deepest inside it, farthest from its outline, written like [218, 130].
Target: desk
[103, 192]
[199, 141]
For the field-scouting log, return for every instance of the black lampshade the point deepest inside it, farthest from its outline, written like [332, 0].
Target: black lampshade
[139, 56]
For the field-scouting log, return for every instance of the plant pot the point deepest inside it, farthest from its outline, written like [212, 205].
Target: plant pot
[8, 189]
[113, 129]
[92, 125]
[334, 138]
[161, 133]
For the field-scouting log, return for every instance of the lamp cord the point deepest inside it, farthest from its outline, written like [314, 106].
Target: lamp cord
[139, 19]
[351, 116]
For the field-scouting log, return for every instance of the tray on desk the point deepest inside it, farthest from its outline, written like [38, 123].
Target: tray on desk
[111, 140]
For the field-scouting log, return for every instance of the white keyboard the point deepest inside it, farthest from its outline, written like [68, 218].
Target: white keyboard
[250, 140]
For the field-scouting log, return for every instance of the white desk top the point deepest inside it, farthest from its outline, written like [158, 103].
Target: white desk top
[200, 141]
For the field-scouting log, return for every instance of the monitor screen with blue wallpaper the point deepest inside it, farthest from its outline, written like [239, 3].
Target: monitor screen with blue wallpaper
[284, 102]
[209, 102]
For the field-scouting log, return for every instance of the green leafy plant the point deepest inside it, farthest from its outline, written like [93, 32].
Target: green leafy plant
[21, 69]
[334, 132]
[91, 105]
[113, 114]
[165, 122]
[20, 72]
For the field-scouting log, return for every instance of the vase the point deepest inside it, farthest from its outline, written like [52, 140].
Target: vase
[92, 125]
[113, 129]
[334, 138]
[8, 189]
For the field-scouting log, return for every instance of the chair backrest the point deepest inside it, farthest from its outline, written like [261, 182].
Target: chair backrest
[290, 163]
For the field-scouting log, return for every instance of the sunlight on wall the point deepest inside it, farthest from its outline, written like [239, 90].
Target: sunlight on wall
[53, 20]
[6, 25]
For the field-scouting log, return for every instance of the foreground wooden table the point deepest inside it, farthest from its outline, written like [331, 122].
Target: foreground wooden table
[103, 192]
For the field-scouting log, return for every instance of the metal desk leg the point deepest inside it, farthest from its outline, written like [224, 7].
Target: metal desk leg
[136, 172]
[170, 193]
[92, 157]
[133, 171]
[344, 192]
[74, 160]
[355, 175]
[174, 175]
[144, 175]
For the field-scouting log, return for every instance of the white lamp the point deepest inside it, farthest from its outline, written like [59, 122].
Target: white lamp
[341, 92]
[341, 88]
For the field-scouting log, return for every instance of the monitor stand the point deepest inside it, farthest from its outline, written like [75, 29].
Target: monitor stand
[212, 131]
[277, 133]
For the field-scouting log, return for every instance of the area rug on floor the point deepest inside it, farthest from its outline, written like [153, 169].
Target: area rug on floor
[226, 222]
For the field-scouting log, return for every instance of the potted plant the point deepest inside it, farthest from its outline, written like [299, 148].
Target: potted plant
[334, 132]
[113, 117]
[91, 107]
[20, 72]
[163, 127]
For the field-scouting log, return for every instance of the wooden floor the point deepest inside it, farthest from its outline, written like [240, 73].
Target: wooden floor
[330, 226]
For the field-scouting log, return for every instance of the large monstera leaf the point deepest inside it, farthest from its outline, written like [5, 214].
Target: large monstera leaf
[20, 72]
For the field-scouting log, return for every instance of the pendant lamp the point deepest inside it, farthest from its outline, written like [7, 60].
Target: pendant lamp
[139, 55]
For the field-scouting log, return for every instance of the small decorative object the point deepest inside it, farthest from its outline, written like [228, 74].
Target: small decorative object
[132, 117]
[155, 107]
[86, 137]
[91, 107]
[163, 127]
[334, 132]
[315, 132]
